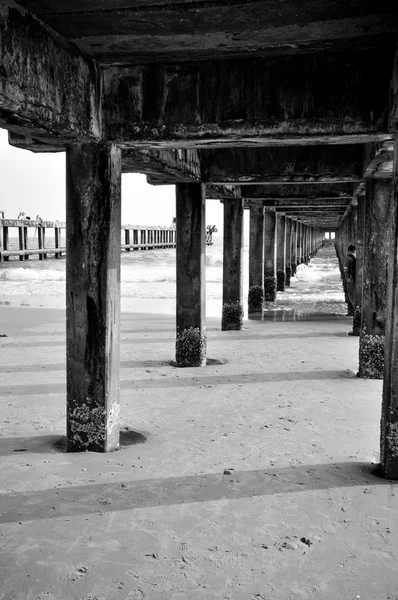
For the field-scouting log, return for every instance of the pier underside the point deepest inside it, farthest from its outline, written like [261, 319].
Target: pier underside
[284, 109]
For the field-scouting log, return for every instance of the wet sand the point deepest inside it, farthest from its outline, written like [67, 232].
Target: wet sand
[255, 481]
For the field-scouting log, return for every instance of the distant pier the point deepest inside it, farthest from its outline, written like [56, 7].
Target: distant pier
[136, 237]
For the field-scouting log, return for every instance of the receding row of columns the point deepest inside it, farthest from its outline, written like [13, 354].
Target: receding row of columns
[371, 225]
[278, 245]
[93, 186]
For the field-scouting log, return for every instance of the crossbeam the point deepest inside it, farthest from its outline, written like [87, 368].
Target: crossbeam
[46, 87]
[297, 99]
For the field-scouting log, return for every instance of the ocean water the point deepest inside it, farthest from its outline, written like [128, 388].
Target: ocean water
[148, 276]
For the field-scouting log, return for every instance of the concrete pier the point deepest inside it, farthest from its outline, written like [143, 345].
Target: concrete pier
[389, 411]
[378, 211]
[296, 111]
[288, 268]
[93, 210]
[135, 237]
[232, 294]
[191, 282]
[256, 260]
[280, 253]
[270, 256]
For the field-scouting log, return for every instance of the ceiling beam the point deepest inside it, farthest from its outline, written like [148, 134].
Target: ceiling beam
[287, 99]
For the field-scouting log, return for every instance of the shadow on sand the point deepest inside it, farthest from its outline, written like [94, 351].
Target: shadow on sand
[130, 495]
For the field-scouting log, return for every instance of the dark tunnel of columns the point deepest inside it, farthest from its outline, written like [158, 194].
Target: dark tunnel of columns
[301, 134]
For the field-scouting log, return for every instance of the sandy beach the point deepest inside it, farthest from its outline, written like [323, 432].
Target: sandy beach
[254, 482]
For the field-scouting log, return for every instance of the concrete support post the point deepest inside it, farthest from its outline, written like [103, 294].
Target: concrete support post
[294, 248]
[288, 267]
[378, 210]
[280, 253]
[360, 237]
[299, 243]
[269, 256]
[389, 410]
[93, 239]
[191, 282]
[305, 245]
[232, 311]
[256, 260]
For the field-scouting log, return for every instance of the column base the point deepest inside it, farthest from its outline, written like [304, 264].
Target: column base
[269, 289]
[191, 346]
[389, 450]
[280, 281]
[288, 276]
[255, 299]
[232, 316]
[90, 428]
[294, 269]
[371, 356]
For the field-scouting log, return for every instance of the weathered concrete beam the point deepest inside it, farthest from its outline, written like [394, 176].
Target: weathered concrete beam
[163, 31]
[280, 204]
[320, 204]
[24, 142]
[175, 165]
[393, 100]
[290, 99]
[381, 165]
[311, 210]
[46, 87]
[289, 164]
[222, 192]
[299, 190]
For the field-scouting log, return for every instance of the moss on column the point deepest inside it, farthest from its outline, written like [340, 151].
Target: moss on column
[255, 299]
[294, 269]
[356, 321]
[232, 316]
[269, 289]
[280, 281]
[371, 356]
[191, 346]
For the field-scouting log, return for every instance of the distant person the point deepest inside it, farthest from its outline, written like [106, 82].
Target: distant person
[349, 270]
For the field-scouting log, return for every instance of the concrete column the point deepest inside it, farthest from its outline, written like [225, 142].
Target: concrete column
[288, 267]
[299, 243]
[305, 244]
[378, 210]
[389, 410]
[256, 260]
[357, 319]
[232, 311]
[93, 239]
[280, 253]
[191, 280]
[269, 256]
[294, 247]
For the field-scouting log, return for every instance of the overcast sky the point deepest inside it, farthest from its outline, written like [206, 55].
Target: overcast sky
[35, 184]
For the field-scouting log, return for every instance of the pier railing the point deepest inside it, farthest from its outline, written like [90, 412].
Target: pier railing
[135, 237]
